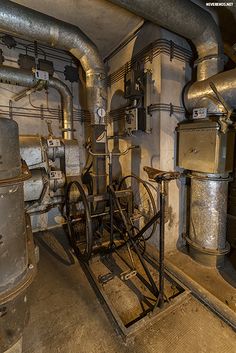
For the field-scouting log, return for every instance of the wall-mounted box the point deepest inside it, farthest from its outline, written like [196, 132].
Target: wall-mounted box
[202, 147]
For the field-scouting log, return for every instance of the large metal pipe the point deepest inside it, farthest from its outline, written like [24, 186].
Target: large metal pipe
[14, 76]
[208, 211]
[200, 94]
[21, 21]
[188, 20]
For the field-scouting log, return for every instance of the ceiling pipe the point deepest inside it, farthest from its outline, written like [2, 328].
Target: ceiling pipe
[188, 20]
[14, 76]
[23, 22]
[200, 93]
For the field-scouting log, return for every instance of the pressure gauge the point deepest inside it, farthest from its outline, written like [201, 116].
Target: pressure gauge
[101, 113]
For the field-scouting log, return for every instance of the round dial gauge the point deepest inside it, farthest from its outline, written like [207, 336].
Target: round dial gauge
[101, 112]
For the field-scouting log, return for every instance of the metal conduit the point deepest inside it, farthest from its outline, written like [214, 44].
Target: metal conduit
[23, 22]
[14, 76]
[188, 20]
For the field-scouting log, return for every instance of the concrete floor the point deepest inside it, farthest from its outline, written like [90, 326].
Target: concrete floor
[221, 283]
[67, 317]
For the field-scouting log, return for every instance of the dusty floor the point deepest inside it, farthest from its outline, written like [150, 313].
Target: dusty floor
[221, 283]
[66, 317]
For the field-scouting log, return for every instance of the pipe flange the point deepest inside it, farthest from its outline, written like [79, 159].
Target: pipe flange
[214, 252]
[222, 57]
[208, 178]
[68, 129]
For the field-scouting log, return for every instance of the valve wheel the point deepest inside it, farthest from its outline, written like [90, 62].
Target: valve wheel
[144, 207]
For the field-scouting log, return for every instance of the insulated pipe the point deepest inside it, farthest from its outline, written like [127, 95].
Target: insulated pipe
[188, 20]
[208, 216]
[200, 94]
[67, 106]
[14, 76]
[23, 22]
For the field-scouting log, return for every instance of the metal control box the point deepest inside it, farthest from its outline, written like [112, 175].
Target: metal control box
[202, 147]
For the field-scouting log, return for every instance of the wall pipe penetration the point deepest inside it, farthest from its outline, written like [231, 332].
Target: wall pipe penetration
[204, 33]
[14, 76]
[21, 21]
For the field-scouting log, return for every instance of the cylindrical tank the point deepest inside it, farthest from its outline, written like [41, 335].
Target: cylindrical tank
[14, 265]
[13, 254]
[208, 216]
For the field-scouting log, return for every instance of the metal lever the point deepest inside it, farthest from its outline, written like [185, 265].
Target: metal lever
[221, 100]
[26, 92]
[223, 121]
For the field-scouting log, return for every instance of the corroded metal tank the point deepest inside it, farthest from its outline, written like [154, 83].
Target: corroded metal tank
[17, 267]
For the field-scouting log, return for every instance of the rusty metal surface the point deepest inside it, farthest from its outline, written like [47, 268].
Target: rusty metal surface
[10, 164]
[14, 316]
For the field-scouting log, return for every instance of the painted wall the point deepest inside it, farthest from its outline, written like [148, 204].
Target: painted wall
[157, 149]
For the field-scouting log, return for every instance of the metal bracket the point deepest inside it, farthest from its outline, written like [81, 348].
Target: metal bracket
[103, 279]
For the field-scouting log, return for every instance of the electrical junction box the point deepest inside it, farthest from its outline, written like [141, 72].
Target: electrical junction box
[203, 147]
[41, 75]
[138, 87]
[135, 119]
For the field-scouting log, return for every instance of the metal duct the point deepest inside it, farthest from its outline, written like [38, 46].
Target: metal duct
[200, 94]
[208, 211]
[14, 76]
[188, 20]
[21, 21]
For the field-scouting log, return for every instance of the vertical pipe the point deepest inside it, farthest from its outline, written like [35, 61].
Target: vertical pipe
[208, 216]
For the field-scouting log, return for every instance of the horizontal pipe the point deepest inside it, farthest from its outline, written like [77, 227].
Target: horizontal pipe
[200, 93]
[14, 76]
[188, 20]
[24, 22]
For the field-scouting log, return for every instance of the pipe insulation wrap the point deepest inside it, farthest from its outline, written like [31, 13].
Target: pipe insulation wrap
[208, 211]
[188, 20]
[200, 94]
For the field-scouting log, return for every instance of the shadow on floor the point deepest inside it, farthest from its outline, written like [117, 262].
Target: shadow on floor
[57, 245]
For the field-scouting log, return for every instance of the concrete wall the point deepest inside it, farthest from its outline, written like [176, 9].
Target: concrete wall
[157, 149]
